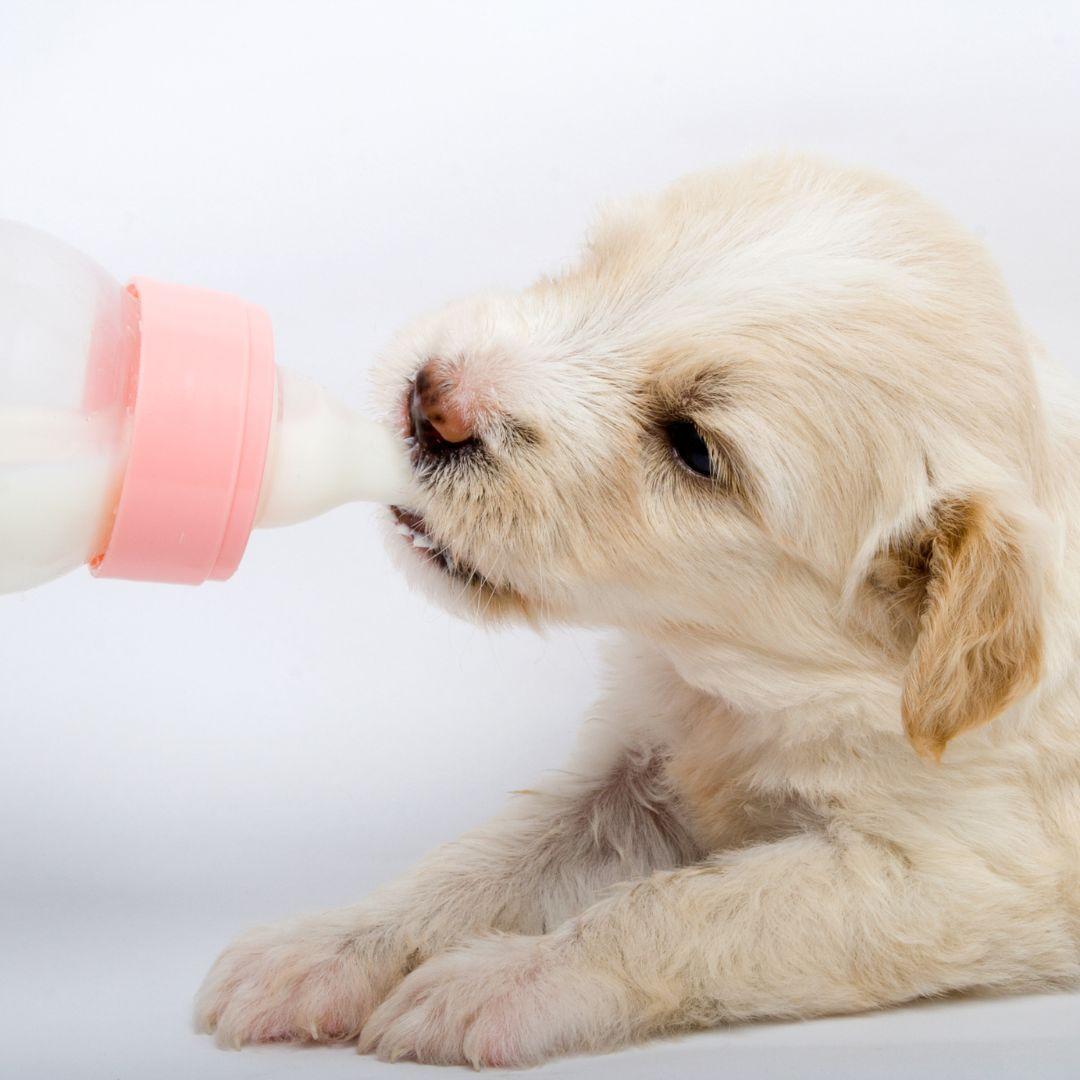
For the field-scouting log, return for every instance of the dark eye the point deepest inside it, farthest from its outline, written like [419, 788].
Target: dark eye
[689, 447]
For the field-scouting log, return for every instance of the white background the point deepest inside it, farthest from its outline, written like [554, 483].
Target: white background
[177, 764]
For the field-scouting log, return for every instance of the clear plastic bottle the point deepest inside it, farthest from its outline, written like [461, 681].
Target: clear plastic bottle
[145, 430]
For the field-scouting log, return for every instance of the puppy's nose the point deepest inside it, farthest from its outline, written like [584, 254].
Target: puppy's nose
[438, 422]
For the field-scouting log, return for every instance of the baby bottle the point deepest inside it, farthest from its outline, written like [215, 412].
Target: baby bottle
[146, 430]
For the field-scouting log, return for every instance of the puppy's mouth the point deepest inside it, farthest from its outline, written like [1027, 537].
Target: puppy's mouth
[413, 529]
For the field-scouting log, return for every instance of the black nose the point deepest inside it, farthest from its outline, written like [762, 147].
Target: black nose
[439, 423]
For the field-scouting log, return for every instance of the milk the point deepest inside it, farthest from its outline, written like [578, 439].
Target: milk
[61, 473]
[58, 474]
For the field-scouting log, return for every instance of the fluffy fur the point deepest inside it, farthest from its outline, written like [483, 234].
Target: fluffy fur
[839, 763]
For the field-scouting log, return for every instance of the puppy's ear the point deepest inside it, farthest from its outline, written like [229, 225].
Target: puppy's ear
[979, 641]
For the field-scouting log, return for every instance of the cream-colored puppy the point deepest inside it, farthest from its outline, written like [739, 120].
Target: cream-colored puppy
[782, 428]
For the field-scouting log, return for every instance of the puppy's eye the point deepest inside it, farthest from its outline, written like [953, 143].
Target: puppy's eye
[689, 447]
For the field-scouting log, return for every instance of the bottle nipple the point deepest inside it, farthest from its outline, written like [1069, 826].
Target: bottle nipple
[323, 454]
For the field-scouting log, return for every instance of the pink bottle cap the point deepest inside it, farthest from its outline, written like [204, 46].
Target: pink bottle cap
[203, 404]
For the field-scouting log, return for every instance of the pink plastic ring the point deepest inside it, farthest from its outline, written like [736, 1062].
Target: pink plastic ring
[203, 404]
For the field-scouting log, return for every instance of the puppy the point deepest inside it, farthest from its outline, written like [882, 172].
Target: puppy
[782, 429]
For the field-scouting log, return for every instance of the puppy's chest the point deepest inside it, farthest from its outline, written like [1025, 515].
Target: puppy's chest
[731, 797]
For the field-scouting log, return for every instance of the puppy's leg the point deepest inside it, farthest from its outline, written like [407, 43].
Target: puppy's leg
[609, 819]
[808, 925]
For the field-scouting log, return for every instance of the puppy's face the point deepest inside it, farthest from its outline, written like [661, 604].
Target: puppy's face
[746, 391]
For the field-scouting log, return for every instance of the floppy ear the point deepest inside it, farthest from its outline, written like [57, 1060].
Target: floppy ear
[979, 641]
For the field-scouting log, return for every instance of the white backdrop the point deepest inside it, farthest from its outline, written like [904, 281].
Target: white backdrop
[177, 764]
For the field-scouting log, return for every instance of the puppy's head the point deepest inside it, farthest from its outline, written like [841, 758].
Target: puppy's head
[779, 419]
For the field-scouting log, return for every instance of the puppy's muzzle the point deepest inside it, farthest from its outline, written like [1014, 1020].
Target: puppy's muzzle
[440, 432]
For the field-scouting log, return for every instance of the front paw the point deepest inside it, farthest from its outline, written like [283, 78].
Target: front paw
[506, 1001]
[315, 978]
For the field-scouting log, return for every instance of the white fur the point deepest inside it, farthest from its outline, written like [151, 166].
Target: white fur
[745, 830]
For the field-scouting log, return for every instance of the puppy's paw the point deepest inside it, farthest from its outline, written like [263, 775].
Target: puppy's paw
[316, 978]
[507, 1002]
